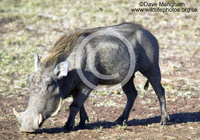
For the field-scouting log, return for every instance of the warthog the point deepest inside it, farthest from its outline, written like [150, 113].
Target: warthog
[57, 76]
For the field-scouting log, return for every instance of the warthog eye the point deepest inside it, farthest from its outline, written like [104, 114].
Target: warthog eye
[49, 82]
[50, 85]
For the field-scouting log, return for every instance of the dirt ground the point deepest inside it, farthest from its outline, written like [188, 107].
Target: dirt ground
[143, 122]
[28, 27]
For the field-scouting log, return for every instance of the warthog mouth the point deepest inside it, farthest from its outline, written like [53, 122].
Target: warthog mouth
[21, 130]
[37, 122]
[22, 118]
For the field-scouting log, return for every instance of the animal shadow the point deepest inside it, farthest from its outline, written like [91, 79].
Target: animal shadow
[177, 118]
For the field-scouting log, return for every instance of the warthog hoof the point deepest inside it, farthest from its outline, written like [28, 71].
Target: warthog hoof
[164, 119]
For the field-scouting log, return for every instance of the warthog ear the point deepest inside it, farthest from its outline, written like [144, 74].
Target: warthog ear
[61, 69]
[37, 61]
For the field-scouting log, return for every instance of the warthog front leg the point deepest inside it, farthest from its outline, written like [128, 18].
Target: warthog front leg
[78, 104]
[83, 113]
[83, 117]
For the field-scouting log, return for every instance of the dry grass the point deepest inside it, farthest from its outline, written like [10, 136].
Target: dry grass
[29, 27]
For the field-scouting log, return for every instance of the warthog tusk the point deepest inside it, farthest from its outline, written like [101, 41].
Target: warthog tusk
[15, 112]
[40, 119]
[58, 108]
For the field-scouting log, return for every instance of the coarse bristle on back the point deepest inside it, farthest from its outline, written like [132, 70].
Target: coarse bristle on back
[65, 44]
[63, 47]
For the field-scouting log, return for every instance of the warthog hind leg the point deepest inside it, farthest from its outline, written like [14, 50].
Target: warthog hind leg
[131, 94]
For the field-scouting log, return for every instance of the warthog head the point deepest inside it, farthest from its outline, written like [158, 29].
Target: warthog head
[45, 96]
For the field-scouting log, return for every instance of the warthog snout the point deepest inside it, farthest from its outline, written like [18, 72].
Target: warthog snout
[29, 123]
